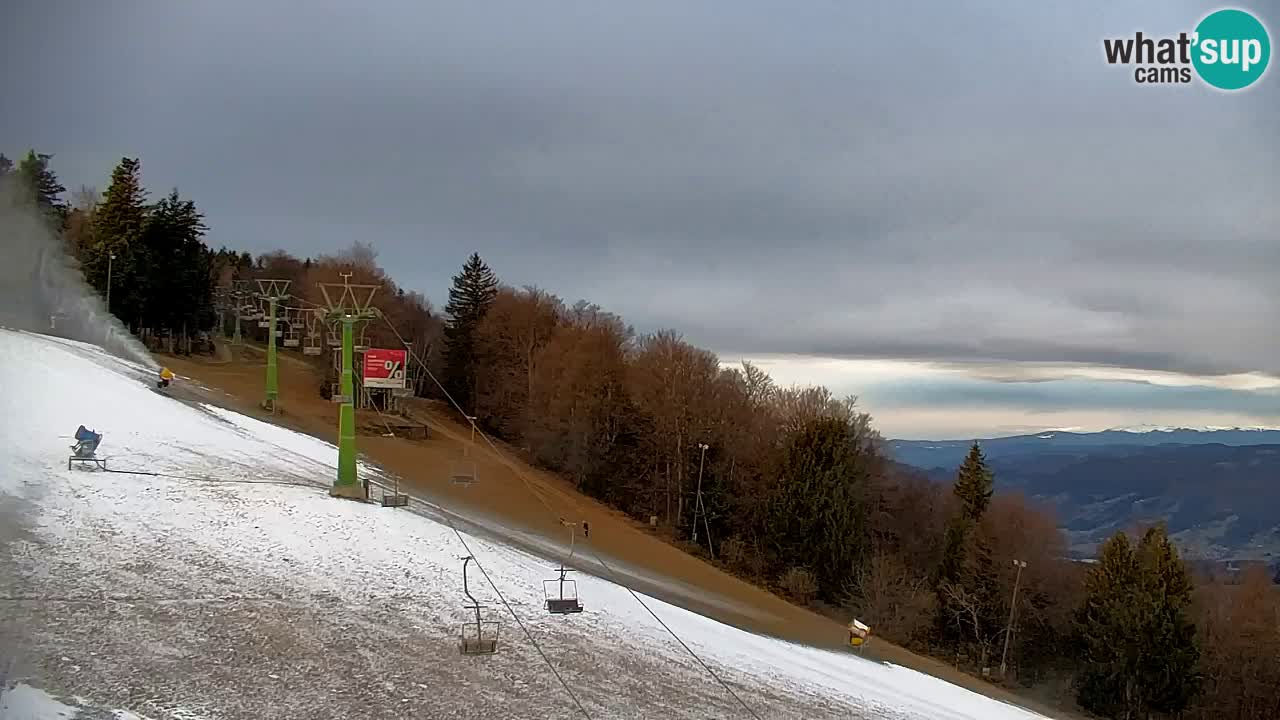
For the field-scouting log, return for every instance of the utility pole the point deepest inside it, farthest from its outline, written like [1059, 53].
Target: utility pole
[110, 257]
[273, 291]
[353, 305]
[1008, 628]
[698, 507]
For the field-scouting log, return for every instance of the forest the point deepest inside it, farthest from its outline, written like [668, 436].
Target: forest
[788, 487]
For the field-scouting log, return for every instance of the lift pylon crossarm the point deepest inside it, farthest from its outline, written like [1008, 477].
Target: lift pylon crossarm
[273, 288]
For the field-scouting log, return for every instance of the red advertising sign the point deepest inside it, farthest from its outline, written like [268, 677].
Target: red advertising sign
[384, 368]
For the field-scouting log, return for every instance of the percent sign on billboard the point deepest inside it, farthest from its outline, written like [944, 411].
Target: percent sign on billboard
[384, 368]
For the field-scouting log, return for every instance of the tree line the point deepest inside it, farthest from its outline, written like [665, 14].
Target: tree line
[789, 487]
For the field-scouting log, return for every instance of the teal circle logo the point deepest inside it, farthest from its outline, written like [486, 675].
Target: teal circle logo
[1232, 49]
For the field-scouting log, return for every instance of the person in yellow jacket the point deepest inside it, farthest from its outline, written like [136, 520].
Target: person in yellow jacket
[166, 377]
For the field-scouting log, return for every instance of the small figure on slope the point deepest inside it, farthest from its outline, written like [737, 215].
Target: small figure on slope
[166, 377]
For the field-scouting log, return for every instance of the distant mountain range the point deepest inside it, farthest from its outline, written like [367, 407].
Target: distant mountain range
[1218, 489]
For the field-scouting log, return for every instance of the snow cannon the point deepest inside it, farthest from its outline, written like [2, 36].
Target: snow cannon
[859, 633]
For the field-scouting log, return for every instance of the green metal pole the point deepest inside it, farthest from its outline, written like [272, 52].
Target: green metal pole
[273, 387]
[346, 484]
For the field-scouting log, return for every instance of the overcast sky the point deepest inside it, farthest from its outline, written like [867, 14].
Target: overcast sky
[962, 215]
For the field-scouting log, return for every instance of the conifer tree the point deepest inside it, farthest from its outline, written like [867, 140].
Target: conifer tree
[1138, 644]
[473, 292]
[818, 512]
[959, 572]
[118, 226]
[974, 485]
[41, 187]
[179, 268]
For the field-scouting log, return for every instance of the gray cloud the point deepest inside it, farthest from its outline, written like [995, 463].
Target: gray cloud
[907, 180]
[1073, 395]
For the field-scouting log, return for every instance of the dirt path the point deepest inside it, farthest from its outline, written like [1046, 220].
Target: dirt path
[529, 502]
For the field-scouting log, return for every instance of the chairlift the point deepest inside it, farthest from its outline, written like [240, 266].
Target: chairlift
[312, 344]
[481, 636]
[463, 471]
[291, 338]
[394, 498]
[561, 595]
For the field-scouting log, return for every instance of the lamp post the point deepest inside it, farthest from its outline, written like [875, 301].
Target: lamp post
[110, 256]
[698, 506]
[1008, 628]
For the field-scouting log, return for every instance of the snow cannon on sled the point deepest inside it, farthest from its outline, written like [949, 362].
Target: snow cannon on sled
[859, 633]
[86, 448]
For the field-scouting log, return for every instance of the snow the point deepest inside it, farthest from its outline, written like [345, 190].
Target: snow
[1187, 428]
[233, 586]
[28, 703]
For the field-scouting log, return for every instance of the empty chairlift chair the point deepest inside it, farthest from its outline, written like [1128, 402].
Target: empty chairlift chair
[291, 337]
[479, 636]
[561, 594]
[463, 470]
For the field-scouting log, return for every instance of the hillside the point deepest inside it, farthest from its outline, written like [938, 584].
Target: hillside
[209, 575]
[506, 504]
[1217, 490]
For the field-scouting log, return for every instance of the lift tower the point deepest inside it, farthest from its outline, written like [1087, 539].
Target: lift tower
[347, 305]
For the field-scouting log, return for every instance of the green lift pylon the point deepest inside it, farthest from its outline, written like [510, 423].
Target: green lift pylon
[273, 291]
[353, 305]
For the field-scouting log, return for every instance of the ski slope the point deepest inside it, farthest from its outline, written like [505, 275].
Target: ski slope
[232, 586]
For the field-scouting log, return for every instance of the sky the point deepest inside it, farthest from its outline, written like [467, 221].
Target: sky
[962, 215]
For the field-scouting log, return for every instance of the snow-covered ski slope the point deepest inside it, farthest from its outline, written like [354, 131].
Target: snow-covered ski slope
[238, 589]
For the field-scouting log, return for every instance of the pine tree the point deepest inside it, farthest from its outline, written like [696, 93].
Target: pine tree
[1138, 645]
[974, 485]
[42, 187]
[818, 513]
[179, 269]
[473, 292]
[118, 226]
[959, 573]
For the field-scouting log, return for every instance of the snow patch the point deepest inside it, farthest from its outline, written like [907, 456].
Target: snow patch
[25, 702]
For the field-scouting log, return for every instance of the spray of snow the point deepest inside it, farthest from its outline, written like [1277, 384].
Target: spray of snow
[42, 289]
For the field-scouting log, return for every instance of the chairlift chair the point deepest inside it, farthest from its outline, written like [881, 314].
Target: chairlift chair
[462, 472]
[562, 600]
[561, 594]
[395, 498]
[312, 344]
[478, 637]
